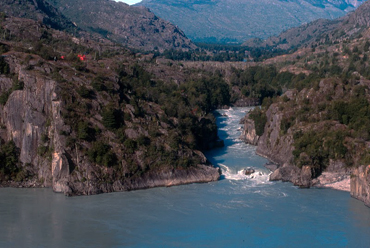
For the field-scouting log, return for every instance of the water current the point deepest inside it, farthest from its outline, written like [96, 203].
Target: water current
[237, 211]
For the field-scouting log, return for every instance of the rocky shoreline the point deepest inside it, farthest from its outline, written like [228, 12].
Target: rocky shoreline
[278, 149]
[152, 179]
[331, 180]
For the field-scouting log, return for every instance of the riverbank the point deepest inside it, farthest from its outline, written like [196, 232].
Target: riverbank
[335, 181]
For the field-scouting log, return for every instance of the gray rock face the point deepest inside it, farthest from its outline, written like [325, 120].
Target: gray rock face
[360, 184]
[25, 116]
[277, 148]
[249, 134]
[272, 144]
[290, 173]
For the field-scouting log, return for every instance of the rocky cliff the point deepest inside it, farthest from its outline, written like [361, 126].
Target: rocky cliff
[308, 152]
[87, 126]
[360, 184]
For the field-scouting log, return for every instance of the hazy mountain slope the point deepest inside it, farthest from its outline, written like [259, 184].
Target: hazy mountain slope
[319, 31]
[135, 27]
[238, 20]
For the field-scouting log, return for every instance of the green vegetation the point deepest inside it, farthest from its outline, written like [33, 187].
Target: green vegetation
[354, 113]
[315, 148]
[111, 118]
[10, 167]
[4, 67]
[16, 85]
[102, 154]
[222, 53]
[259, 117]
[327, 128]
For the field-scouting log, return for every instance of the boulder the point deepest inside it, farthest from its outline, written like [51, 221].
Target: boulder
[249, 171]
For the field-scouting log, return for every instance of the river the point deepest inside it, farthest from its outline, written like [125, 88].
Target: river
[237, 211]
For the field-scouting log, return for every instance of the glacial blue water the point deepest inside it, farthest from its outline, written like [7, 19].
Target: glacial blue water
[238, 211]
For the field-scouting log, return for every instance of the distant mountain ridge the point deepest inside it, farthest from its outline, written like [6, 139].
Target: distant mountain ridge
[135, 27]
[239, 20]
[319, 31]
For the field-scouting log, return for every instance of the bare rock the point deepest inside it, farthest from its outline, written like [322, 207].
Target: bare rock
[360, 184]
[271, 166]
[286, 173]
[249, 171]
[249, 134]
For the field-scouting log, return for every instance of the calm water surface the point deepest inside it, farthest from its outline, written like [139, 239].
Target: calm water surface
[238, 211]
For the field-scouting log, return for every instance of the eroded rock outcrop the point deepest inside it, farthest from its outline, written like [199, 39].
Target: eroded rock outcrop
[360, 184]
[249, 134]
[272, 144]
[277, 144]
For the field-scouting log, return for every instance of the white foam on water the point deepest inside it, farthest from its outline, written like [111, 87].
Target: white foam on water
[257, 178]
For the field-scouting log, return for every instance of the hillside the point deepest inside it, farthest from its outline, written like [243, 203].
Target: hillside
[38, 10]
[135, 27]
[85, 117]
[237, 21]
[317, 131]
[319, 31]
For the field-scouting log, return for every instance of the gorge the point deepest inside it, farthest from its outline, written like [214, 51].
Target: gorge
[236, 211]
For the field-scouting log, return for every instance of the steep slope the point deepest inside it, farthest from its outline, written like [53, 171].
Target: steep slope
[85, 117]
[134, 27]
[238, 20]
[319, 31]
[38, 10]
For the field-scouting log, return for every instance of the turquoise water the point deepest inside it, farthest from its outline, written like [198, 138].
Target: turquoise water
[237, 211]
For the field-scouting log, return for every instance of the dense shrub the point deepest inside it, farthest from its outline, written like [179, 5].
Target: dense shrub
[4, 67]
[102, 154]
[260, 119]
[84, 92]
[315, 148]
[110, 118]
[9, 154]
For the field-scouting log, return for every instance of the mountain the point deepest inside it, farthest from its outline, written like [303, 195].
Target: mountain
[319, 31]
[86, 117]
[135, 27]
[38, 10]
[239, 20]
